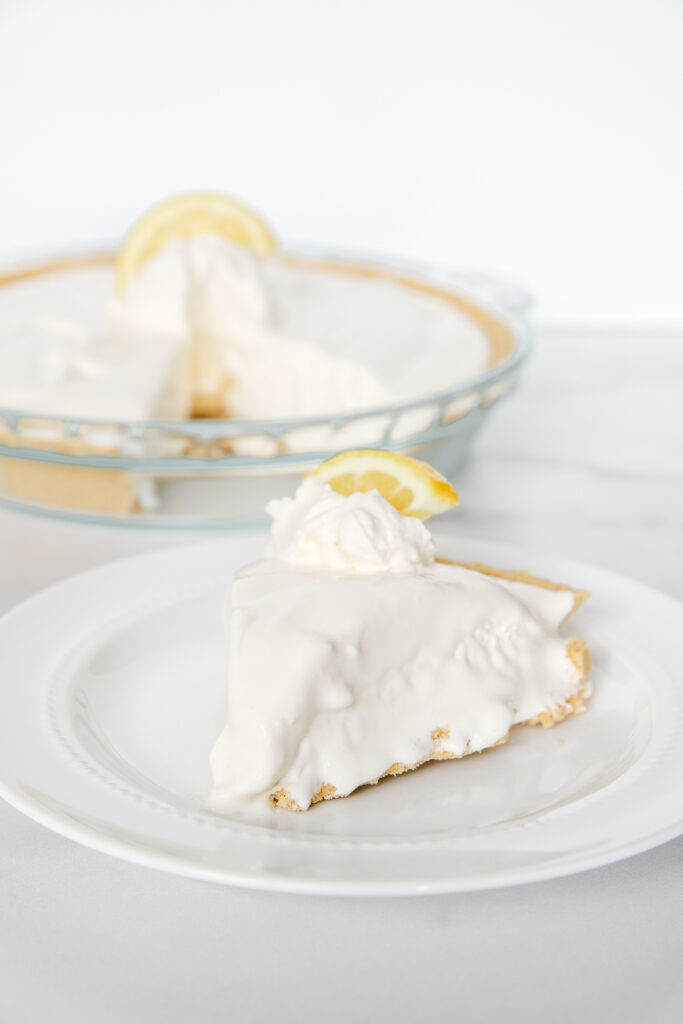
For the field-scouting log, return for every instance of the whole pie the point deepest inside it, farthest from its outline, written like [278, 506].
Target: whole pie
[202, 315]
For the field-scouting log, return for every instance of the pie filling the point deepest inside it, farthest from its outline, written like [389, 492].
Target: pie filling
[355, 653]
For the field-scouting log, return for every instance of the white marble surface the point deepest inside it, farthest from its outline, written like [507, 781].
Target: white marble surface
[587, 460]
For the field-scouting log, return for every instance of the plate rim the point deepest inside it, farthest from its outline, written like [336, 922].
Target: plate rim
[272, 880]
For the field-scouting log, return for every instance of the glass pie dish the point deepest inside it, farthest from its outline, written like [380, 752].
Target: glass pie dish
[220, 472]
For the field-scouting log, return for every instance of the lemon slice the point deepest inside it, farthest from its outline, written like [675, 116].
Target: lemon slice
[414, 488]
[183, 216]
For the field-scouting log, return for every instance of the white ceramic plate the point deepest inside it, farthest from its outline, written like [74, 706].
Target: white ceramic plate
[112, 692]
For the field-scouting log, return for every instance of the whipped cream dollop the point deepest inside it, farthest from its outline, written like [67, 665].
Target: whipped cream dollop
[361, 532]
[336, 677]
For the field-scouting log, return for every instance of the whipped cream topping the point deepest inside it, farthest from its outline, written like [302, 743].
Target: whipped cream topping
[269, 339]
[361, 533]
[61, 355]
[336, 673]
[296, 341]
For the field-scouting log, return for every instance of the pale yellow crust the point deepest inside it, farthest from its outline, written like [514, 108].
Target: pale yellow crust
[208, 405]
[577, 652]
[101, 259]
[87, 488]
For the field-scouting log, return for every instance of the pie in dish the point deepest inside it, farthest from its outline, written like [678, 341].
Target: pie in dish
[356, 653]
[202, 315]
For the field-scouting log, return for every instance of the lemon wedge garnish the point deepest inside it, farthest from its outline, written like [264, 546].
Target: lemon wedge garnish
[182, 216]
[414, 488]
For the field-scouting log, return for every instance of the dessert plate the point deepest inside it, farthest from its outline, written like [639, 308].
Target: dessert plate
[112, 690]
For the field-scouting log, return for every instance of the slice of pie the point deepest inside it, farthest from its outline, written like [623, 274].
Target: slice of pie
[355, 653]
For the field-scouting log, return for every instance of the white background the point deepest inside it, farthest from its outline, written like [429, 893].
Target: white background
[541, 140]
